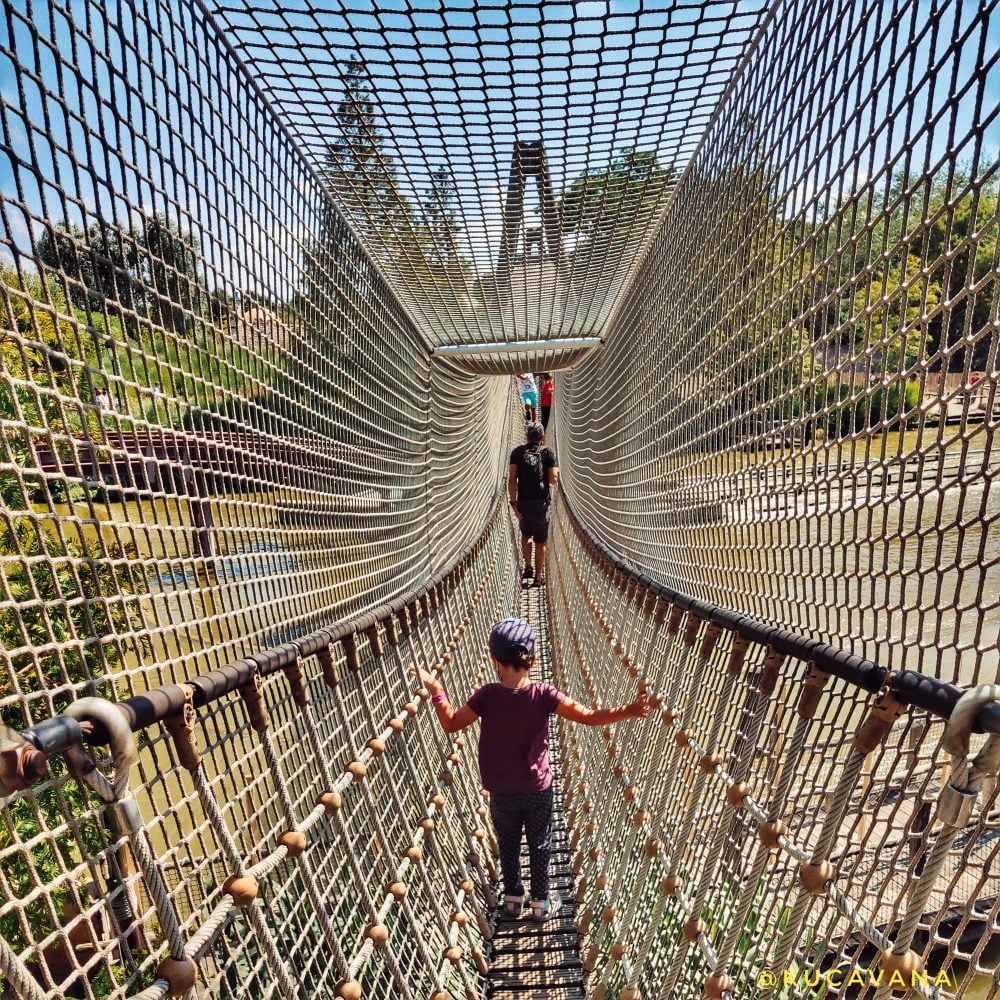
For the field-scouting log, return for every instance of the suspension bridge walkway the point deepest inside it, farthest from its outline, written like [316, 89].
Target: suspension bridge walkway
[267, 270]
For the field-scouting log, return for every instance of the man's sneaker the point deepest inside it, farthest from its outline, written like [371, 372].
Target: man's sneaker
[546, 909]
[527, 573]
[512, 906]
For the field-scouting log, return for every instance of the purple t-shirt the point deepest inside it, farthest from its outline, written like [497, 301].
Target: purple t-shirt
[514, 739]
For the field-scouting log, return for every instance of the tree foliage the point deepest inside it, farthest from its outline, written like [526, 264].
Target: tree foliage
[615, 200]
[62, 604]
[358, 165]
[441, 220]
[152, 271]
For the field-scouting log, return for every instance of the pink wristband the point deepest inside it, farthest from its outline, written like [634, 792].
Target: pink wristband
[439, 699]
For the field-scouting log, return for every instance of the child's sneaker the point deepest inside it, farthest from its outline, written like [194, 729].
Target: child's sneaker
[527, 573]
[546, 909]
[512, 906]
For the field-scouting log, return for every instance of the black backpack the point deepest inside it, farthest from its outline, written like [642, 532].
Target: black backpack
[531, 475]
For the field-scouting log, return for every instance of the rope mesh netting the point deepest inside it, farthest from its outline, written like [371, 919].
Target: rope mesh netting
[261, 267]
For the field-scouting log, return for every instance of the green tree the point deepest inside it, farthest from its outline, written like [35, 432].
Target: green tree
[439, 208]
[94, 264]
[959, 245]
[937, 236]
[888, 312]
[358, 166]
[154, 270]
[618, 199]
[56, 590]
[167, 268]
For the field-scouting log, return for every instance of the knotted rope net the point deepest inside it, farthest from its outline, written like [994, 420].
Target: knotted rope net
[267, 269]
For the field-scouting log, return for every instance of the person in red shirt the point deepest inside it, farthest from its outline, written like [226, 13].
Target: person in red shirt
[545, 400]
[514, 755]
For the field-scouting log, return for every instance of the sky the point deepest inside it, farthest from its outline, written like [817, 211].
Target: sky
[105, 115]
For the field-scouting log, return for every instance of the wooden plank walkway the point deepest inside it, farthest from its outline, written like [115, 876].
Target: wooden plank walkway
[530, 959]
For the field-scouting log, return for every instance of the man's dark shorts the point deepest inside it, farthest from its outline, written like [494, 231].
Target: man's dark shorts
[534, 520]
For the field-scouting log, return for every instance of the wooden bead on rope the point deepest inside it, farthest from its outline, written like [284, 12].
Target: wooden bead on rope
[414, 853]
[459, 917]
[901, 969]
[814, 878]
[396, 725]
[631, 793]
[441, 995]
[411, 708]
[378, 934]
[601, 883]
[709, 763]
[330, 801]
[438, 800]
[683, 737]
[348, 989]
[294, 842]
[669, 884]
[466, 886]
[608, 913]
[629, 993]
[770, 832]
[376, 746]
[693, 928]
[452, 954]
[242, 888]
[717, 986]
[427, 824]
[653, 847]
[736, 793]
[397, 890]
[356, 770]
[618, 950]
[180, 973]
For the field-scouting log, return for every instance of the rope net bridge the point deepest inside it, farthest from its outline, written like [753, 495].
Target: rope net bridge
[263, 264]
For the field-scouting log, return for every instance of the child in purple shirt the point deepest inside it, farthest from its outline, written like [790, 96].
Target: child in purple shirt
[514, 755]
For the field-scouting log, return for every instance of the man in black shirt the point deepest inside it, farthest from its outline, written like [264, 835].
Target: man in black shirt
[532, 474]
